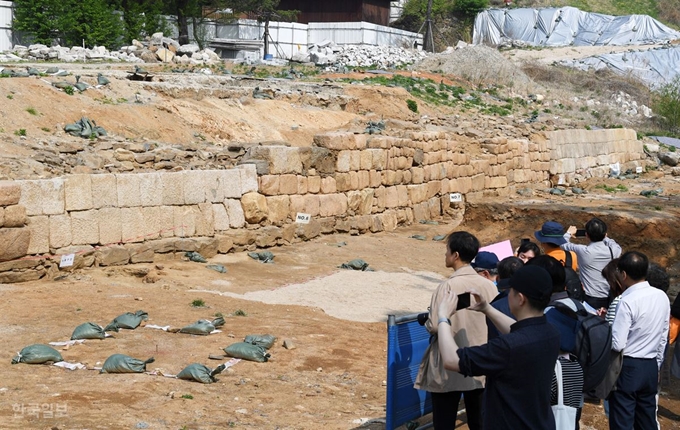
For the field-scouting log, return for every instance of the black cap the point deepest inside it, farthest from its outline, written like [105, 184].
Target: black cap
[532, 281]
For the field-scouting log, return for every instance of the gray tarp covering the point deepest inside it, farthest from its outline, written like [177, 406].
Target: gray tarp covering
[654, 67]
[566, 26]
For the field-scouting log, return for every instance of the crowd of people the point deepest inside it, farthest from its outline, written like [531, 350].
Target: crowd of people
[511, 352]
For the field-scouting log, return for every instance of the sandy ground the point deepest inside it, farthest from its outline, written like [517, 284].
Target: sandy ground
[550, 55]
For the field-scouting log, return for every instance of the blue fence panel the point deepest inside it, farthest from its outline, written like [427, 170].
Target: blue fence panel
[406, 343]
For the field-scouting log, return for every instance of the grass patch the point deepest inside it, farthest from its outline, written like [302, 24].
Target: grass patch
[187, 396]
[239, 313]
[32, 111]
[616, 189]
[20, 132]
[69, 90]
[46, 129]
[10, 96]
[198, 303]
[412, 105]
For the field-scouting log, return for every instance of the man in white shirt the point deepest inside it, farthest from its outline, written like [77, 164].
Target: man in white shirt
[640, 330]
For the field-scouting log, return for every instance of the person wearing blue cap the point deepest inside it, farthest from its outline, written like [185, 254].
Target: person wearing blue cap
[486, 265]
[551, 236]
[518, 365]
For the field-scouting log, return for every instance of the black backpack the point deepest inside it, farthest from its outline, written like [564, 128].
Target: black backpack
[593, 342]
[573, 284]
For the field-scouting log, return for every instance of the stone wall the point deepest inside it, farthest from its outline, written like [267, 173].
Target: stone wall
[347, 182]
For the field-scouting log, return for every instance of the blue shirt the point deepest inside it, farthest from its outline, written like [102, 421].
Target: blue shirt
[519, 368]
[501, 303]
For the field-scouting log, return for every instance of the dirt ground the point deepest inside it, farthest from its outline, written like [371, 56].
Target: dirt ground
[334, 377]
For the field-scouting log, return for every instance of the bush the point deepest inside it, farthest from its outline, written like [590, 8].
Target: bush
[412, 105]
[666, 104]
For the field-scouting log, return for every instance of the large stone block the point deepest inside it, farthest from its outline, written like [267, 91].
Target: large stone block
[140, 253]
[313, 184]
[104, 191]
[227, 184]
[391, 197]
[205, 222]
[173, 188]
[52, 196]
[150, 189]
[110, 228]
[15, 242]
[335, 140]
[388, 220]
[220, 217]
[254, 208]
[39, 227]
[128, 190]
[84, 227]
[60, 231]
[14, 216]
[343, 162]
[279, 209]
[115, 255]
[269, 184]
[302, 184]
[195, 182]
[248, 176]
[167, 221]
[288, 184]
[132, 224]
[152, 222]
[184, 221]
[78, 192]
[237, 218]
[343, 182]
[328, 185]
[10, 193]
[332, 205]
[417, 193]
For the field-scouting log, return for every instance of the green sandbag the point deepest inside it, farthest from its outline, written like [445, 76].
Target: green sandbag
[120, 363]
[264, 340]
[88, 330]
[356, 264]
[200, 373]
[128, 320]
[247, 351]
[203, 327]
[37, 354]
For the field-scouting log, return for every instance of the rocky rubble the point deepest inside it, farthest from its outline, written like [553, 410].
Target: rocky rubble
[155, 49]
[340, 57]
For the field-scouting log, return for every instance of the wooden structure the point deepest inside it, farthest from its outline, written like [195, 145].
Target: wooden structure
[373, 11]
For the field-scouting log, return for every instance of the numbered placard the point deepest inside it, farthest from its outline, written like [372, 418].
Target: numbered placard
[302, 218]
[638, 169]
[456, 197]
[67, 260]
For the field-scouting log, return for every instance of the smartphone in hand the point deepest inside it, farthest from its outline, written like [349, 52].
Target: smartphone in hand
[580, 233]
[463, 301]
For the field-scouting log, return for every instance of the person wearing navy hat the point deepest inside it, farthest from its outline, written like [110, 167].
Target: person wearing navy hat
[486, 265]
[519, 364]
[551, 236]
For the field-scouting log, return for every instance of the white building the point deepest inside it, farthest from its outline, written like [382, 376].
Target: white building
[5, 25]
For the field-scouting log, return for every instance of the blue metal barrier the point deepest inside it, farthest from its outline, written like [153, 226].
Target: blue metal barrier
[406, 343]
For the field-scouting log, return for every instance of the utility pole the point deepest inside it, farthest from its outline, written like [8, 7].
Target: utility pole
[428, 43]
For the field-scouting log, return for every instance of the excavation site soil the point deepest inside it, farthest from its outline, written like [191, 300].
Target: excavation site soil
[332, 374]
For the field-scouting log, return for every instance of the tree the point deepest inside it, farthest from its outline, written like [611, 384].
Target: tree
[68, 22]
[667, 105]
[264, 10]
[140, 17]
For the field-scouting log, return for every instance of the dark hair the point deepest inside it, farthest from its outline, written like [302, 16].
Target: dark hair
[658, 277]
[596, 229]
[537, 304]
[635, 264]
[611, 273]
[529, 246]
[465, 244]
[508, 266]
[554, 268]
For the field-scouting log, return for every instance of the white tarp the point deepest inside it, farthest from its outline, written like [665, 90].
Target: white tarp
[654, 67]
[566, 26]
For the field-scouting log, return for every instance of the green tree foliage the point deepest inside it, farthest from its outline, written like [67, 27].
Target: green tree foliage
[140, 17]
[467, 10]
[415, 11]
[667, 105]
[68, 22]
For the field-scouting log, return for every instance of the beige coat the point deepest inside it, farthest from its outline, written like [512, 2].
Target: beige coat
[468, 328]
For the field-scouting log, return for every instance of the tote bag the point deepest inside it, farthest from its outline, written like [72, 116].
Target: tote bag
[565, 416]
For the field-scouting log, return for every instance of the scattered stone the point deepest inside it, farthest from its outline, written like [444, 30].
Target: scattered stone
[288, 344]
[339, 244]
[670, 158]
[216, 356]
[217, 268]
[675, 171]
[263, 257]
[418, 237]
[557, 191]
[651, 193]
[195, 257]
[439, 237]
[429, 222]
[577, 190]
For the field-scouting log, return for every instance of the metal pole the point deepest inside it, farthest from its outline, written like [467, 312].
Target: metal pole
[429, 40]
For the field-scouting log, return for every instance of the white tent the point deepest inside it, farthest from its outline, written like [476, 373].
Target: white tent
[566, 26]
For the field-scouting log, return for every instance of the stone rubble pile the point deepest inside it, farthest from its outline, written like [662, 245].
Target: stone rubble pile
[338, 57]
[155, 49]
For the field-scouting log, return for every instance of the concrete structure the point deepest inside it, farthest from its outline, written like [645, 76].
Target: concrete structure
[6, 25]
[346, 182]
